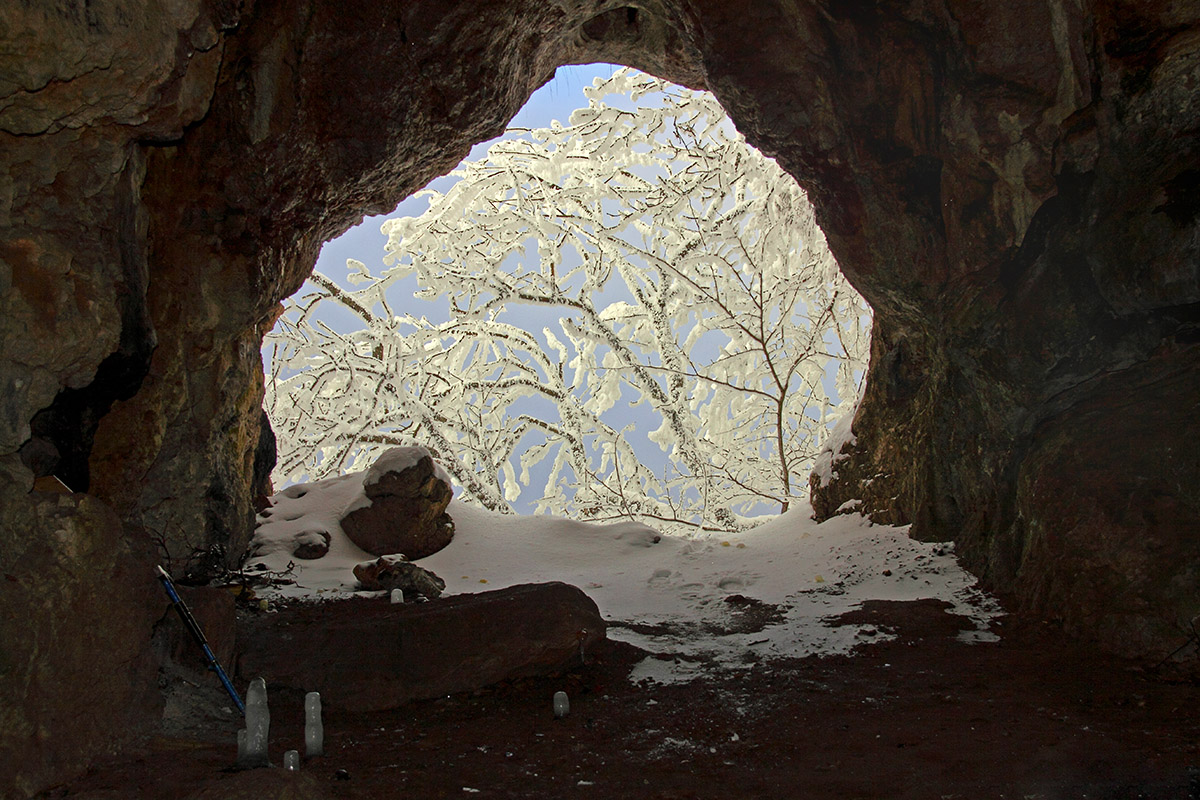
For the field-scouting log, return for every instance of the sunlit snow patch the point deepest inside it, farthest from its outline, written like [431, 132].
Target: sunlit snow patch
[709, 601]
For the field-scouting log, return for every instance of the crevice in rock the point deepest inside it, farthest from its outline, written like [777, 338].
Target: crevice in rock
[265, 456]
[1056, 213]
[1182, 205]
[619, 22]
[62, 434]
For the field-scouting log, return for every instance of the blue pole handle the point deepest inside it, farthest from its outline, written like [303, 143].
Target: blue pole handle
[193, 627]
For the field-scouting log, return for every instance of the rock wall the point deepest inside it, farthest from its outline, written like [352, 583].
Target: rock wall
[77, 679]
[1037, 296]
[321, 112]
[1011, 185]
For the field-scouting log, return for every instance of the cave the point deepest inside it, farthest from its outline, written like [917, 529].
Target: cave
[1012, 187]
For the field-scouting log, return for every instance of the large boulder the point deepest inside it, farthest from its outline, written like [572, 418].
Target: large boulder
[370, 655]
[408, 496]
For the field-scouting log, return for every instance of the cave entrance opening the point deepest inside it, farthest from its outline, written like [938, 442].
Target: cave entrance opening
[640, 269]
[617, 310]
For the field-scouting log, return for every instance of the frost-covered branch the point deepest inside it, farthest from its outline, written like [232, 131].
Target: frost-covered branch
[686, 269]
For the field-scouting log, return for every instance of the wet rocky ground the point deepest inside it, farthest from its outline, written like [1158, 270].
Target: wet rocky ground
[924, 715]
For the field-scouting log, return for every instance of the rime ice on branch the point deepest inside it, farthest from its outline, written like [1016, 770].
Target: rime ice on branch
[686, 268]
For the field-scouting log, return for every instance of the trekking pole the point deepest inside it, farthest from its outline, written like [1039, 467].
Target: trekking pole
[1195, 637]
[193, 627]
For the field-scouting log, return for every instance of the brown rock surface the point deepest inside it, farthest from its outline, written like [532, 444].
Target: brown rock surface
[1109, 495]
[369, 655]
[407, 513]
[214, 611]
[396, 572]
[1011, 186]
[311, 545]
[77, 678]
[1052, 254]
[920, 716]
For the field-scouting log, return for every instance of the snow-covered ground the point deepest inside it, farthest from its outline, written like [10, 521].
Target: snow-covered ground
[667, 594]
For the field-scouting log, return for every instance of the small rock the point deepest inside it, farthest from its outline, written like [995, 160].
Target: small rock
[40, 455]
[397, 572]
[311, 545]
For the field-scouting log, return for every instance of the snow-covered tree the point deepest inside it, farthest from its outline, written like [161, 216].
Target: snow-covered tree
[684, 267]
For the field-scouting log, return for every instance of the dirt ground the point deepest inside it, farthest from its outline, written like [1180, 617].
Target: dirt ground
[921, 716]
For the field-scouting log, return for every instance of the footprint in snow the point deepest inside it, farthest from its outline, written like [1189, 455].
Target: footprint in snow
[660, 577]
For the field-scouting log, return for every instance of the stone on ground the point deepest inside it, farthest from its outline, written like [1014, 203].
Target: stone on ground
[396, 572]
[370, 655]
[407, 514]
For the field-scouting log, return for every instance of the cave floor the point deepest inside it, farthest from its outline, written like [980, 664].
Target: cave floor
[925, 715]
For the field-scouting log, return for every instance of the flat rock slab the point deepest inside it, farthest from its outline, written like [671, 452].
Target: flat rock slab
[368, 654]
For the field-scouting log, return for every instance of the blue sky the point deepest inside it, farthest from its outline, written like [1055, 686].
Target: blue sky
[364, 242]
[556, 100]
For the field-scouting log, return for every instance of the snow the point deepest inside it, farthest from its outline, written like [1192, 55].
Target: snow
[553, 329]
[831, 453]
[398, 459]
[667, 594]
